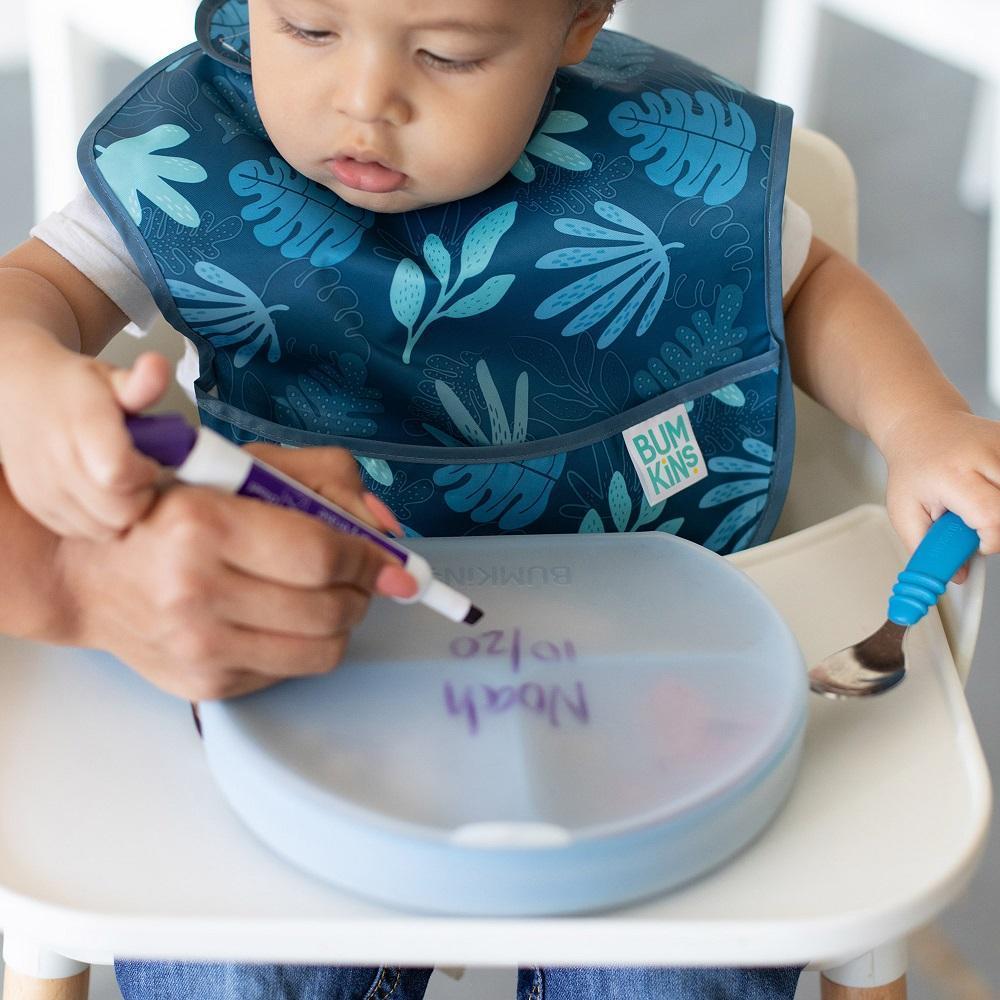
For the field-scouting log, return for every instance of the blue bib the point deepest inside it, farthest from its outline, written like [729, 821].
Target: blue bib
[595, 343]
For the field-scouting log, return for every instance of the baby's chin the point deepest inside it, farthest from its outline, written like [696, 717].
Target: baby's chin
[391, 202]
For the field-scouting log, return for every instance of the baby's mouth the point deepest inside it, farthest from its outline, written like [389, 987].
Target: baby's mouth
[373, 177]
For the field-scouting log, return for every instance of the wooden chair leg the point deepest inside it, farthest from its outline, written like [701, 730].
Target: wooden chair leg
[879, 974]
[830, 990]
[18, 986]
[34, 972]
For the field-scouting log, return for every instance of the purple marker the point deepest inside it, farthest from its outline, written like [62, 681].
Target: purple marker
[204, 458]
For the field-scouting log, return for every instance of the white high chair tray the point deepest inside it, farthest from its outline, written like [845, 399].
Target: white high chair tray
[115, 840]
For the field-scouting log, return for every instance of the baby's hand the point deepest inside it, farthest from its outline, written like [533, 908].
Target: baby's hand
[944, 460]
[63, 444]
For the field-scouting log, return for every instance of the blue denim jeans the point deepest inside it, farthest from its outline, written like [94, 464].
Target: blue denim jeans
[140, 980]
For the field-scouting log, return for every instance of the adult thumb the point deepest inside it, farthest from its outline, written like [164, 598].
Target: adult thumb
[143, 384]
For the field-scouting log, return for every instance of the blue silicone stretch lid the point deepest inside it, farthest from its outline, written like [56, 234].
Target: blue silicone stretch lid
[627, 715]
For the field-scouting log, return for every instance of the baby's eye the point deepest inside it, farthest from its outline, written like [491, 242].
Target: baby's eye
[306, 35]
[450, 65]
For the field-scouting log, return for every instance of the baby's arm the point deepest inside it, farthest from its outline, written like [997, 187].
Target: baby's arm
[64, 448]
[852, 350]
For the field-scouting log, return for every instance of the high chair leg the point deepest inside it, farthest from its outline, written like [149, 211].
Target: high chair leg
[18, 986]
[830, 990]
[32, 972]
[879, 974]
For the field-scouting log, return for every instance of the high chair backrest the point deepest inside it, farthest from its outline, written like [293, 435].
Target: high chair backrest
[836, 467]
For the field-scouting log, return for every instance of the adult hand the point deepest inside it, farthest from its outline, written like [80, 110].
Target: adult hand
[213, 595]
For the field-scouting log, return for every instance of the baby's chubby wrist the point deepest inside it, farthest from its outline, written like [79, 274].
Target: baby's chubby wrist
[29, 349]
[34, 362]
[922, 430]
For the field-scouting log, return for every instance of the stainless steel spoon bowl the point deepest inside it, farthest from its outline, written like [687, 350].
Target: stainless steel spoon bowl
[870, 667]
[877, 664]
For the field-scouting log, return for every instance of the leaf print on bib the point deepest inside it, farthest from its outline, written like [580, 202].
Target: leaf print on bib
[178, 248]
[578, 387]
[232, 93]
[240, 387]
[378, 468]
[174, 94]
[233, 313]
[640, 276]
[616, 58]
[297, 214]
[333, 399]
[395, 489]
[705, 150]
[551, 150]
[130, 168]
[757, 479]
[620, 507]
[558, 192]
[711, 345]
[408, 290]
[481, 241]
[512, 494]
[721, 426]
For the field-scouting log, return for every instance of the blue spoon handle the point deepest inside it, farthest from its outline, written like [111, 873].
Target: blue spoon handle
[947, 545]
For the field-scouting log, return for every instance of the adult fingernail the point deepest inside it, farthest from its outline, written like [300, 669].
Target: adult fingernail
[394, 581]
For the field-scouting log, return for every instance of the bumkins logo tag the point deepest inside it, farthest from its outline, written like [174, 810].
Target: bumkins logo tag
[666, 454]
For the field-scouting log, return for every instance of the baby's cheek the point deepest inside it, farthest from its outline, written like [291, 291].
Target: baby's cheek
[472, 156]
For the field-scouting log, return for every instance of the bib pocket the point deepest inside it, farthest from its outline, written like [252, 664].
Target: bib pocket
[700, 461]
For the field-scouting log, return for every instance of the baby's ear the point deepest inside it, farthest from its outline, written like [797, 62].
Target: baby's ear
[587, 22]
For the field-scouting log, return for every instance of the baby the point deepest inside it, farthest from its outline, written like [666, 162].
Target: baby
[391, 107]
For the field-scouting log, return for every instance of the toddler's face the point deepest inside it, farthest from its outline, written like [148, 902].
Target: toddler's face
[399, 104]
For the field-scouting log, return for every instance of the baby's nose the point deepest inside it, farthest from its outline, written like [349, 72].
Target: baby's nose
[373, 93]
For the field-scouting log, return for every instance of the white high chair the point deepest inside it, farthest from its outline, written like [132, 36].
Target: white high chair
[963, 33]
[835, 471]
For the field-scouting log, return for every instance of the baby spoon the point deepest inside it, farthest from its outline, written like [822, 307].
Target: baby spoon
[876, 664]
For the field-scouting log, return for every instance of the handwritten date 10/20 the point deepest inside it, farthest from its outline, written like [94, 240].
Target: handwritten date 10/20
[497, 642]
